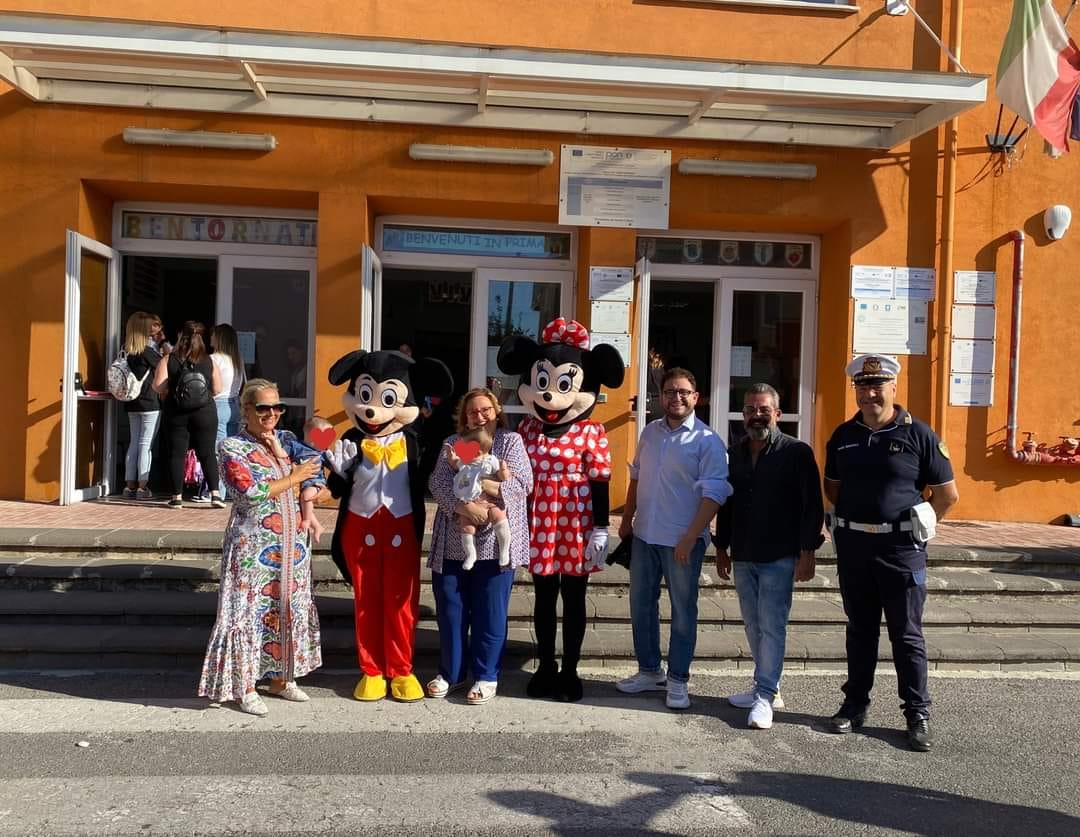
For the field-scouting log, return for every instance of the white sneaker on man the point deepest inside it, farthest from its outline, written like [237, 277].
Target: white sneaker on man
[744, 700]
[643, 681]
[760, 716]
[678, 695]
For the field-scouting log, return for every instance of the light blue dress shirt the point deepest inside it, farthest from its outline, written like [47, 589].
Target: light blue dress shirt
[675, 470]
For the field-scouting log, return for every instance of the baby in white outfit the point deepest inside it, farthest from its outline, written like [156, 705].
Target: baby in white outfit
[467, 489]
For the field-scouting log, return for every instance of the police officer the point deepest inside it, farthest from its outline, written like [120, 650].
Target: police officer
[877, 467]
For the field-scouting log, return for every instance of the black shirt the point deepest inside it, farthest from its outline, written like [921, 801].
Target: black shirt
[142, 364]
[777, 509]
[882, 473]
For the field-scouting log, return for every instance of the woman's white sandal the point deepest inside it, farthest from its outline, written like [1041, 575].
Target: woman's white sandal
[252, 704]
[438, 687]
[291, 692]
[484, 691]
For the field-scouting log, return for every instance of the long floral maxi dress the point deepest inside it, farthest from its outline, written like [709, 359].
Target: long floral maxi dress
[267, 625]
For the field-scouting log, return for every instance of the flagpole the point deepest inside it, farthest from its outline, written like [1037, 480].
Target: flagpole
[938, 41]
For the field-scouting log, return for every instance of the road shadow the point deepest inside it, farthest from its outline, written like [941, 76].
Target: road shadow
[875, 806]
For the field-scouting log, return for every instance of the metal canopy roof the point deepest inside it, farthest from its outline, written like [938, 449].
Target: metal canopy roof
[72, 61]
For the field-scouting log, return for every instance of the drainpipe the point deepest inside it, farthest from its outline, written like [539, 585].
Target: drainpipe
[1066, 453]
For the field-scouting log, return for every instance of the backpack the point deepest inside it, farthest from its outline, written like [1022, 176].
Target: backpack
[191, 390]
[121, 380]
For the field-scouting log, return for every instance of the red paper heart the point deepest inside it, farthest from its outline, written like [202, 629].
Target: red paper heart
[323, 437]
[466, 451]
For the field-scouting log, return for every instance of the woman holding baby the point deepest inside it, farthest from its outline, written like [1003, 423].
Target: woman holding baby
[471, 603]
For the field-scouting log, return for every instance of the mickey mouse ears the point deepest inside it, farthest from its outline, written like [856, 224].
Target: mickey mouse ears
[561, 330]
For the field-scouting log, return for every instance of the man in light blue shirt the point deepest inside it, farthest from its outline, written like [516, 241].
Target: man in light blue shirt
[678, 480]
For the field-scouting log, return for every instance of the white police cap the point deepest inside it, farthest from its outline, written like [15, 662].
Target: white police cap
[872, 369]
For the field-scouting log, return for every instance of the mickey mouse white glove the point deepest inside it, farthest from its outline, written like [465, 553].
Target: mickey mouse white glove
[596, 550]
[341, 456]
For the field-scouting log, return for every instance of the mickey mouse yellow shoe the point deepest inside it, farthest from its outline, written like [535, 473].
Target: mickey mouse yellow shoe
[370, 687]
[406, 689]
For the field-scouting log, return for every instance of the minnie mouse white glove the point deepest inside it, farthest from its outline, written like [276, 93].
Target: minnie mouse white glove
[341, 456]
[596, 550]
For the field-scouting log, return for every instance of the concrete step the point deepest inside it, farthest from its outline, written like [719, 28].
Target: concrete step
[71, 572]
[93, 646]
[715, 607]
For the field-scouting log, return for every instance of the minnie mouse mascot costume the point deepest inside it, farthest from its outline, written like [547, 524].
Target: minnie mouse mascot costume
[560, 381]
[381, 518]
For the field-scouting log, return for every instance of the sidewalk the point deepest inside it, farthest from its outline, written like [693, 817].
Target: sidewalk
[117, 514]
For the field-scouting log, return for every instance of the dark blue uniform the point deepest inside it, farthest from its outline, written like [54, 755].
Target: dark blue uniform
[882, 474]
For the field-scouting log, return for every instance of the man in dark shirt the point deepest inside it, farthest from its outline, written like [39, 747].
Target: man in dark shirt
[877, 466]
[771, 528]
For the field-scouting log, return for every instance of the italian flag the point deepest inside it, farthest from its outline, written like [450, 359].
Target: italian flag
[1039, 70]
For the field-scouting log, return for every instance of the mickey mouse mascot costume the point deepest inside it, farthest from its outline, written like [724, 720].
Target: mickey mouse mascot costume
[560, 381]
[381, 520]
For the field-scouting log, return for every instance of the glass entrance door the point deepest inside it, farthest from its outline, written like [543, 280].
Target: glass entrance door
[766, 336]
[91, 329]
[509, 303]
[271, 304]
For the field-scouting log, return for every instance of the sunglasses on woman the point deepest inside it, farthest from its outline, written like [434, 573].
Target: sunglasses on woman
[264, 409]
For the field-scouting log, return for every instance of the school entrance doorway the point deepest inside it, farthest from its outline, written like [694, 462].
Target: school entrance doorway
[734, 311]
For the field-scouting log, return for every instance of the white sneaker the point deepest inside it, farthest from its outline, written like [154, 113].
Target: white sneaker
[744, 700]
[678, 695]
[760, 716]
[643, 681]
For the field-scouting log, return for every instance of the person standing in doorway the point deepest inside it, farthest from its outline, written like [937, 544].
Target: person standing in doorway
[230, 369]
[770, 528]
[878, 465]
[678, 480]
[144, 412]
[187, 379]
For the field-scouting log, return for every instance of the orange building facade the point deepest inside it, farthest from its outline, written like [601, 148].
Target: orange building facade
[338, 233]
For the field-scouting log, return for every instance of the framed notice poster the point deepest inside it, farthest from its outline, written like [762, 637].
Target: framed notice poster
[614, 187]
[890, 326]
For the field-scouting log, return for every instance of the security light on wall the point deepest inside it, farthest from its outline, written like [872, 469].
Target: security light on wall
[745, 168]
[200, 139]
[482, 154]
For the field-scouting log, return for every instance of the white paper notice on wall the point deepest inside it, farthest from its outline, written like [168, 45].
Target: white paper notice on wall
[973, 322]
[975, 287]
[245, 342]
[871, 281]
[619, 341]
[614, 187]
[741, 357]
[890, 326]
[611, 284]
[971, 390]
[970, 356]
[914, 282]
[610, 316]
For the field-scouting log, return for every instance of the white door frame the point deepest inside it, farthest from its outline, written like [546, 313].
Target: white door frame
[371, 279]
[70, 398]
[728, 280]
[808, 341]
[478, 332]
[643, 275]
[228, 263]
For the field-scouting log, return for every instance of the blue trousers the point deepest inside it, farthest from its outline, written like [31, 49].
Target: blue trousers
[765, 601]
[648, 563]
[470, 608]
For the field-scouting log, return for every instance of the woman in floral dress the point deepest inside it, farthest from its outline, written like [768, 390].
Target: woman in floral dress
[266, 624]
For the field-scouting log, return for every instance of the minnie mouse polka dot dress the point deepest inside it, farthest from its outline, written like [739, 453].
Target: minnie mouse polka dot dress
[562, 467]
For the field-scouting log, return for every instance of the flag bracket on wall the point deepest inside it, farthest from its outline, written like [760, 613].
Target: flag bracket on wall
[1004, 143]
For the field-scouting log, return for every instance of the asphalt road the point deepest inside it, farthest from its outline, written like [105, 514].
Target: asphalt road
[161, 761]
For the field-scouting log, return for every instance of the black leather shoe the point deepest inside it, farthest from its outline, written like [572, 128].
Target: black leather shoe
[545, 682]
[847, 719]
[918, 734]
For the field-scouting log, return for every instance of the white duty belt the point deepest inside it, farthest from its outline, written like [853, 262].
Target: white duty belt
[873, 528]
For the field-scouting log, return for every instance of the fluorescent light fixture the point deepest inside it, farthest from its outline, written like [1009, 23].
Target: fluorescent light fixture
[200, 139]
[745, 168]
[482, 154]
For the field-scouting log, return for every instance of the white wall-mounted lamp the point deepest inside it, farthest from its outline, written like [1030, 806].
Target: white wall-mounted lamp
[745, 168]
[200, 139]
[482, 154]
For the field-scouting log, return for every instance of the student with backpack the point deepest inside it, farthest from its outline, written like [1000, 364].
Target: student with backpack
[187, 380]
[230, 368]
[141, 402]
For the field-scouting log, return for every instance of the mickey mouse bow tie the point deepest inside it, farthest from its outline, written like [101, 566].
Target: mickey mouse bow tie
[392, 454]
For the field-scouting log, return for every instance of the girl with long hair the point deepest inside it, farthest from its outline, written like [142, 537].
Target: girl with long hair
[144, 411]
[230, 368]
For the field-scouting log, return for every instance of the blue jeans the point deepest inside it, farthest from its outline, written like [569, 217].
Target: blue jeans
[765, 600]
[228, 424]
[648, 564]
[470, 608]
[143, 427]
